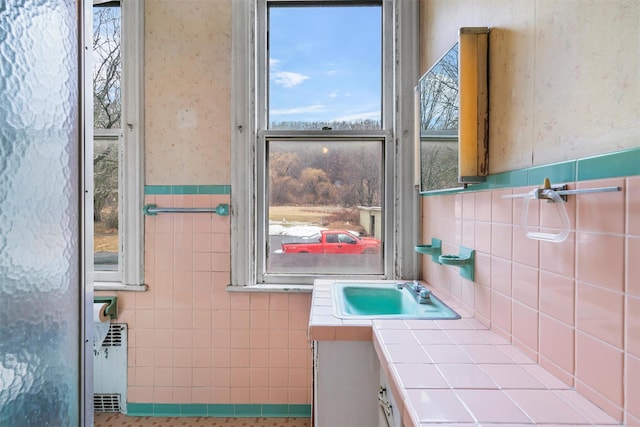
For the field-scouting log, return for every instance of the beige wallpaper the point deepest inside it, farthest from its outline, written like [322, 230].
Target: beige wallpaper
[187, 92]
[564, 75]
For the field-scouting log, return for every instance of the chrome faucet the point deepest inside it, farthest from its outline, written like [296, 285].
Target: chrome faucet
[419, 292]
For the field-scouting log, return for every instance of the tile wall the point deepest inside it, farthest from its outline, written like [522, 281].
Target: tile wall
[572, 306]
[193, 342]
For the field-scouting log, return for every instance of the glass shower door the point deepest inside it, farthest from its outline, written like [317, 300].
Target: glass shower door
[40, 275]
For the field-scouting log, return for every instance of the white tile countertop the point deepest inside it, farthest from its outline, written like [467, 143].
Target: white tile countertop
[457, 372]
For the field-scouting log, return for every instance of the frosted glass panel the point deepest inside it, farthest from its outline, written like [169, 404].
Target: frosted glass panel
[39, 223]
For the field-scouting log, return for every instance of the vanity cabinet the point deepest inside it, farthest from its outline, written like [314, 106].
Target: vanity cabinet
[346, 382]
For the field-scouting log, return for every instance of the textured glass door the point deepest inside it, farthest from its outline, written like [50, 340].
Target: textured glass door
[40, 280]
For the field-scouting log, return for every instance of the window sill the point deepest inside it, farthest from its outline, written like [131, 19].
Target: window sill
[117, 286]
[271, 288]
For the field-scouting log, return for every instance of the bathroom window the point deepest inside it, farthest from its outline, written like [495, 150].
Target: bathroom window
[318, 190]
[321, 201]
[323, 144]
[117, 230]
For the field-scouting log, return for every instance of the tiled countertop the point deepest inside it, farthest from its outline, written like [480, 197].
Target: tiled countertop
[457, 372]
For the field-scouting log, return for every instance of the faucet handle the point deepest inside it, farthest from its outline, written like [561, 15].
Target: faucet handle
[425, 296]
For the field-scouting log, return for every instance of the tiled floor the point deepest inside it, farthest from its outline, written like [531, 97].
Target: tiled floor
[119, 420]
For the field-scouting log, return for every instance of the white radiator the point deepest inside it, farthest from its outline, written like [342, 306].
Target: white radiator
[110, 371]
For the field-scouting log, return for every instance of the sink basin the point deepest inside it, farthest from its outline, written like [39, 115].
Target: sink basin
[385, 301]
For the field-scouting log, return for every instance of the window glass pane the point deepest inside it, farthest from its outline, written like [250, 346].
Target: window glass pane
[324, 208]
[105, 202]
[107, 70]
[107, 67]
[325, 67]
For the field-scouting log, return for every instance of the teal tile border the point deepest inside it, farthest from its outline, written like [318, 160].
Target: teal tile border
[140, 409]
[187, 189]
[557, 173]
[218, 410]
[622, 163]
[166, 410]
[194, 410]
[610, 165]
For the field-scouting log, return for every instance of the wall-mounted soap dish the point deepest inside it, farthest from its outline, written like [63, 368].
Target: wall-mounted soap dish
[465, 260]
[434, 249]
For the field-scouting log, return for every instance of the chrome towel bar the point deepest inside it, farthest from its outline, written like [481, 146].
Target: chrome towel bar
[222, 209]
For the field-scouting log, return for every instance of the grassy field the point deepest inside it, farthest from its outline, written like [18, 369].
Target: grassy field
[325, 216]
[305, 214]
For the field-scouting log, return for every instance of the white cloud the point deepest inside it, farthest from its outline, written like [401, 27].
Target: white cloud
[299, 110]
[333, 94]
[285, 78]
[288, 78]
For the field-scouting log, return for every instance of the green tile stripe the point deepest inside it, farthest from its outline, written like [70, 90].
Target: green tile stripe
[217, 410]
[622, 163]
[610, 165]
[187, 189]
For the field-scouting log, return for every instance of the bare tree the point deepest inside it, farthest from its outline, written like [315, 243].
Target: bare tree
[283, 172]
[316, 187]
[107, 68]
[107, 105]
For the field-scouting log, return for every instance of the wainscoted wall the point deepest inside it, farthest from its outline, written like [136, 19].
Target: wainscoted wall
[192, 342]
[573, 306]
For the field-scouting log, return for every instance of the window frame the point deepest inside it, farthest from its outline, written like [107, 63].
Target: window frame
[130, 274]
[250, 133]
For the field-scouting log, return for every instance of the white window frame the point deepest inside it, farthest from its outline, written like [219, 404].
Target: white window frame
[248, 220]
[130, 274]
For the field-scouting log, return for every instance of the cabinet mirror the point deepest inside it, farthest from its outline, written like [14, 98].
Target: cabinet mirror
[452, 115]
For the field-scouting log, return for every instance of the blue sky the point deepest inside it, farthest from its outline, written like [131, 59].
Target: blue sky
[325, 63]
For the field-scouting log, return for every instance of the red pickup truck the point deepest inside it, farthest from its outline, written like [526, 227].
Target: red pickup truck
[333, 242]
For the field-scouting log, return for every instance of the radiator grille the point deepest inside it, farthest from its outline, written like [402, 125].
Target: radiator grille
[114, 336]
[106, 402]
[110, 371]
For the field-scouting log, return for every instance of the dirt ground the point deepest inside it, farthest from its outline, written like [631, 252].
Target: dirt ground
[105, 243]
[104, 239]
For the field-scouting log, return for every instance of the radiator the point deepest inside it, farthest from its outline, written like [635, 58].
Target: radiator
[110, 371]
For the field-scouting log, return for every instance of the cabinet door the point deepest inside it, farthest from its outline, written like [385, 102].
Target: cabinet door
[389, 414]
[346, 386]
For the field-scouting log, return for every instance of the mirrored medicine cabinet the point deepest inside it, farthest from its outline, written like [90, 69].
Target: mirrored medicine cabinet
[452, 116]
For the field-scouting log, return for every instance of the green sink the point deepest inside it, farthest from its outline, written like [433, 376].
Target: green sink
[385, 301]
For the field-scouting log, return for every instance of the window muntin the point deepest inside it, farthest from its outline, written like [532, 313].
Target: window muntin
[321, 193]
[324, 65]
[107, 150]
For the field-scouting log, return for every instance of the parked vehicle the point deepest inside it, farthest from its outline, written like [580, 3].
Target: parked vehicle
[333, 242]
